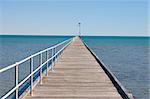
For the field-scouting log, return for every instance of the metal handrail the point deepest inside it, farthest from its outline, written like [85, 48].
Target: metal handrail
[17, 63]
[32, 72]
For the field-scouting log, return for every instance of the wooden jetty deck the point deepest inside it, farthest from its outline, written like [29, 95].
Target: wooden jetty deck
[76, 75]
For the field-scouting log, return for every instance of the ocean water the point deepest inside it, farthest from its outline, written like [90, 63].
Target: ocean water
[127, 58]
[15, 48]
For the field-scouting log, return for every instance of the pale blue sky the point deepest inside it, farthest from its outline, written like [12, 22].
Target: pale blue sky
[60, 17]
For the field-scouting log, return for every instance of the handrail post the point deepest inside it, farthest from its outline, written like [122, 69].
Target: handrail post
[55, 56]
[47, 56]
[31, 70]
[16, 77]
[52, 59]
[61, 52]
[41, 68]
[55, 53]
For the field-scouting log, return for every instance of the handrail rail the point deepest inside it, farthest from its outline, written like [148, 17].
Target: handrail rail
[54, 53]
[17, 63]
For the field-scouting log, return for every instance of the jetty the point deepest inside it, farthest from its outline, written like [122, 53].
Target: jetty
[75, 72]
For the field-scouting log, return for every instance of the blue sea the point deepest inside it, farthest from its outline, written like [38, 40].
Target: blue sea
[126, 57]
[14, 48]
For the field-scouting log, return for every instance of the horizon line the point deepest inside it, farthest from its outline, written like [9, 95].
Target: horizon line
[75, 35]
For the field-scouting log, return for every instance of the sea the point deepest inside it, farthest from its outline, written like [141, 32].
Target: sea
[126, 57]
[14, 48]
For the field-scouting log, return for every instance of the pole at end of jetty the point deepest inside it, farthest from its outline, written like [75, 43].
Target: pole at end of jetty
[79, 28]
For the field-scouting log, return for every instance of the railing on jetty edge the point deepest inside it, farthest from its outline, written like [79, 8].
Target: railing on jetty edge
[55, 52]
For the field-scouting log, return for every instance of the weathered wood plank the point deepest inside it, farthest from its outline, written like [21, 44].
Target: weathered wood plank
[77, 75]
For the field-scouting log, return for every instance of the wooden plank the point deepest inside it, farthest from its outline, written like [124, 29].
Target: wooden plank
[77, 75]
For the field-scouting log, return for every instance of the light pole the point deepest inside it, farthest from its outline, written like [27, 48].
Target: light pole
[79, 28]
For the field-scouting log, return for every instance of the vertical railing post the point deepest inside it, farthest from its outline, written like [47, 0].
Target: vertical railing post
[16, 79]
[47, 57]
[52, 59]
[61, 51]
[31, 70]
[55, 56]
[41, 68]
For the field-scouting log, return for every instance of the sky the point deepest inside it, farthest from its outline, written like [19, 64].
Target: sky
[61, 17]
